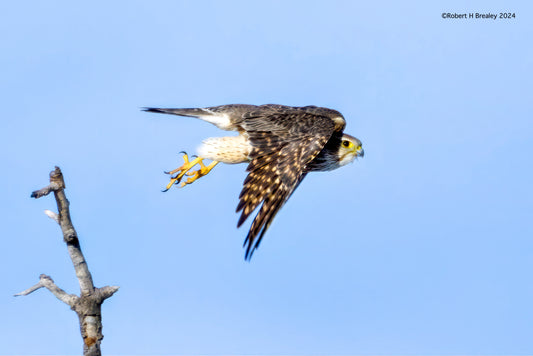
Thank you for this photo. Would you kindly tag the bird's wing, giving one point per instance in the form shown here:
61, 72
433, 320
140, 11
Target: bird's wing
283, 144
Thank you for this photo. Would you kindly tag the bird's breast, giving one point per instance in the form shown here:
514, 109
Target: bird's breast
231, 149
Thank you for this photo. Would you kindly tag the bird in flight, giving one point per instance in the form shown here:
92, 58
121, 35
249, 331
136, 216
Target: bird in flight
281, 144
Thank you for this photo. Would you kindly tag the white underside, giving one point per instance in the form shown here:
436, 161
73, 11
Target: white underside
233, 149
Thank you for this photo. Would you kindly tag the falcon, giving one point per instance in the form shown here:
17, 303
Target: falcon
281, 144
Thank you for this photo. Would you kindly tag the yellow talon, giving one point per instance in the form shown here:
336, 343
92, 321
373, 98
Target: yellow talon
204, 170
186, 167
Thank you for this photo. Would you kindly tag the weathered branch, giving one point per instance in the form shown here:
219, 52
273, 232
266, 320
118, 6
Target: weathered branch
57, 185
47, 282
107, 292
29, 290
88, 304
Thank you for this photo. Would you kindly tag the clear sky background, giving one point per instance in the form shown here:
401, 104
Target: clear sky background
422, 247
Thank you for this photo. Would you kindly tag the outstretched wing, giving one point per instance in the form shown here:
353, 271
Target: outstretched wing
283, 144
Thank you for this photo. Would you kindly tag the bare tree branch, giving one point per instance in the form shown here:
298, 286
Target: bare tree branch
47, 282
88, 305
52, 215
46, 190
29, 290
57, 185
107, 292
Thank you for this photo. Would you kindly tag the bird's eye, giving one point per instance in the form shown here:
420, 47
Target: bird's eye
346, 143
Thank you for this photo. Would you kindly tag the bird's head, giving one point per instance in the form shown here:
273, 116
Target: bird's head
350, 149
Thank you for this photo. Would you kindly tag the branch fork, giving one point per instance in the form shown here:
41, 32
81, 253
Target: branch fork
88, 304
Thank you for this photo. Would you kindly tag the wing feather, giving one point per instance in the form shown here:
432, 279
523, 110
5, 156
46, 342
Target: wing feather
283, 145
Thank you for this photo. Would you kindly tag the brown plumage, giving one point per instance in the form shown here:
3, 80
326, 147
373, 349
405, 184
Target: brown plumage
282, 144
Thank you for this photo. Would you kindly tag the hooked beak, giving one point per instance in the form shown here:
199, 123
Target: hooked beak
360, 153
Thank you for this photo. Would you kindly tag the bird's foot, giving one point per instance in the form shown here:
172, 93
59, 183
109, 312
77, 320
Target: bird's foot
194, 175
184, 169
178, 173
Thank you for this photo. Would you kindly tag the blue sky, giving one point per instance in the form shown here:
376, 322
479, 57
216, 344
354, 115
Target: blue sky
422, 247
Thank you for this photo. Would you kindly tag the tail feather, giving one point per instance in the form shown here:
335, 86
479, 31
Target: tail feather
218, 118
192, 112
